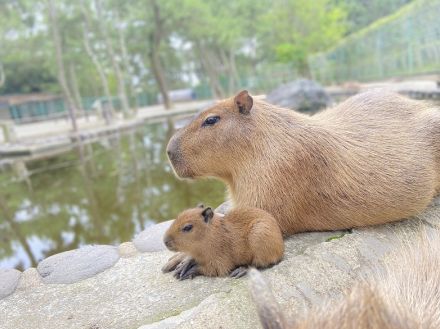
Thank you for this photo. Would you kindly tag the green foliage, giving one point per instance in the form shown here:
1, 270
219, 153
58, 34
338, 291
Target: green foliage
28, 77
234, 38
404, 43
363, 13
294, 29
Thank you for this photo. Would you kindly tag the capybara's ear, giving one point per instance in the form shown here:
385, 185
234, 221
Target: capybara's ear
200, 205
244, 102
207, 214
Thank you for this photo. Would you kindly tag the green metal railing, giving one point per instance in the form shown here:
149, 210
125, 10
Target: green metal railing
405, 43
56, 108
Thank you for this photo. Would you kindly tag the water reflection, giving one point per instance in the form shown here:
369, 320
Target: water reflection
99, 193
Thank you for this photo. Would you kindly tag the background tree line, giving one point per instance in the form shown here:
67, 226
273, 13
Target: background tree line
120, 48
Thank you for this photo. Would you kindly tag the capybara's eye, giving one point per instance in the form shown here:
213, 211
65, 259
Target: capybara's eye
211, 120
187, 228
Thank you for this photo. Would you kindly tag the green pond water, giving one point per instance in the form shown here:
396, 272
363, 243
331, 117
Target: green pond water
101, 192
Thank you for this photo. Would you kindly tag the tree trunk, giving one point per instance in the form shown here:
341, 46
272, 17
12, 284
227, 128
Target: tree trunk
2, 75
216, 88
60, 63
118, 72
233, 71
160, 80
156, 65
126, 64
102, 76
75, 89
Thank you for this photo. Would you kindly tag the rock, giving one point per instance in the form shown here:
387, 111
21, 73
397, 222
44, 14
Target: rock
8, 281
29, 278
151, 239
76, 265
301, 95
127, 249
135, 293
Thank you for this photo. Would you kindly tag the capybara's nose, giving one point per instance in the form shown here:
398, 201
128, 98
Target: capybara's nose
172, 150
168, 242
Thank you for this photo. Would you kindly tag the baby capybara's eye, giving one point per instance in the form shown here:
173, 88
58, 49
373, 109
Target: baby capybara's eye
187, 228
211, 121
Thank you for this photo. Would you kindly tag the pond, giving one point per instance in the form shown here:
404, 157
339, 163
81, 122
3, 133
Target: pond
102, 192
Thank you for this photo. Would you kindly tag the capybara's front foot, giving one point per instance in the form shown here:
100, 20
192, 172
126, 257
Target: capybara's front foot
187, 269
173, 262
239, 272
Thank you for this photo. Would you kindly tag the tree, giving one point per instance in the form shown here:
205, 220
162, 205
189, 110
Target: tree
60, 63
87, 27
156, 36
293, 29
112, 55
2, 75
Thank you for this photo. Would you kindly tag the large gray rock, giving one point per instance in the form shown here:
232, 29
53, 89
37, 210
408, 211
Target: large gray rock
8, 281
151, 239
76, 265
301, 95
135, 293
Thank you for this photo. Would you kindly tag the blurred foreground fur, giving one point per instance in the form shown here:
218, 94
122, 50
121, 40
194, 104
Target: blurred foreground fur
405, 295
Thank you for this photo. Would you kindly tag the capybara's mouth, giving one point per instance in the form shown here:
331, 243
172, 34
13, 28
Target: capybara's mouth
180, 169
172, 248
169, 243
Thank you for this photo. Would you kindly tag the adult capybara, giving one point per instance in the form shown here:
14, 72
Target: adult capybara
374, 158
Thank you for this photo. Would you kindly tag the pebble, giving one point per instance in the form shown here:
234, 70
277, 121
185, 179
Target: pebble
151, 239
127, 249
79, 264
8, 281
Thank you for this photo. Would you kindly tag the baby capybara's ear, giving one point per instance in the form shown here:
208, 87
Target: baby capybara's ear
200, 205
207, 214
244, 102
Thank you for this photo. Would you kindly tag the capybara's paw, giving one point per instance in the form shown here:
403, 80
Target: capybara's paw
239, 272
173, 262
187, 269
192, 272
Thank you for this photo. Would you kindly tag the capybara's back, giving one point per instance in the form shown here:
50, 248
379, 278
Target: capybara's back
387, 163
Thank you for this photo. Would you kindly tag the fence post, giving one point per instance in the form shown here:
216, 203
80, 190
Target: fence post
8, 129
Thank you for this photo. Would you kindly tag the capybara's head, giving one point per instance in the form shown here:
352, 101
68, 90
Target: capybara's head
188, 231
215, 138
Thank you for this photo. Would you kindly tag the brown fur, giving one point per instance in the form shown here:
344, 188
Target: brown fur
374, 158
245, 236
406, 296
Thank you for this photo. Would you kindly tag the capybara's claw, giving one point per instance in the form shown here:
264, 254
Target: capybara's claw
173, 262
239, 272
184, 266
190, 273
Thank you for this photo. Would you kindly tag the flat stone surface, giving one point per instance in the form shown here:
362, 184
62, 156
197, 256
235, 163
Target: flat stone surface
151, 239
135, 294
8, 281
79, 264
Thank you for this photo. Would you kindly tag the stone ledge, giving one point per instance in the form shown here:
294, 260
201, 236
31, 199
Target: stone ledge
131, 292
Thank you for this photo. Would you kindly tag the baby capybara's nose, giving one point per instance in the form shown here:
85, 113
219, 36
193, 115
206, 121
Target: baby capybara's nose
168, 242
